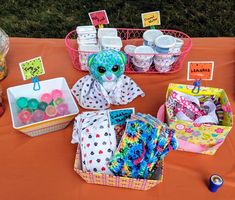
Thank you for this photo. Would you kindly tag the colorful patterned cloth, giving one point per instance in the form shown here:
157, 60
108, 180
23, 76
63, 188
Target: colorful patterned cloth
145, 142
216, 100
193, 109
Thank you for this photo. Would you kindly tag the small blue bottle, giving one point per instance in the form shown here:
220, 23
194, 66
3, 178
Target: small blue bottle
216, 182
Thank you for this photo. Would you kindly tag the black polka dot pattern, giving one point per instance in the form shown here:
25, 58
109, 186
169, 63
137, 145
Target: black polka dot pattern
92, 95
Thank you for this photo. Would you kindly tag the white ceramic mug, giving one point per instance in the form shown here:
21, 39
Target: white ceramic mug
129, 49
143, 57
163, 63
149, 37
143, 66
164, 43
176, 50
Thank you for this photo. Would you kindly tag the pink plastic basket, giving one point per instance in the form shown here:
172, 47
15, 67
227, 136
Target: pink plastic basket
132, 37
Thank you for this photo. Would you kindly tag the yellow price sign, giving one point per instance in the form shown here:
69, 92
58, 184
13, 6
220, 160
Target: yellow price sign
151, 18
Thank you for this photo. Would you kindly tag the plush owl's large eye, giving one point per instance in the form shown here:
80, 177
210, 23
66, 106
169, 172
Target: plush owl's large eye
115, 68
101, 70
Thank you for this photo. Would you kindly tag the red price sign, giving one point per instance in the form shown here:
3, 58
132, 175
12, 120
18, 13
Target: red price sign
98, 17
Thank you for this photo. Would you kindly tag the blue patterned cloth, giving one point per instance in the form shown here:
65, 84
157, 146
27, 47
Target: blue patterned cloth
145, 142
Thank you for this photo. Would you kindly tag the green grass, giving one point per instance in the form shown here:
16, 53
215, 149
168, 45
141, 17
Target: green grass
54, 19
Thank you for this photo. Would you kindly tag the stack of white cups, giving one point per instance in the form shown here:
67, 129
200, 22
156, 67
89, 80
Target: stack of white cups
163, 60
167, 47
143, 58
86, 35
87, 44
108, 39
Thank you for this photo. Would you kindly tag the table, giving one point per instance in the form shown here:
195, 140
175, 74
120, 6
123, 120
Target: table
42, 167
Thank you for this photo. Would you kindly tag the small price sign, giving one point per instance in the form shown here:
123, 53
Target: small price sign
32, 68
200, 70
151, 19
119, 117
98, 17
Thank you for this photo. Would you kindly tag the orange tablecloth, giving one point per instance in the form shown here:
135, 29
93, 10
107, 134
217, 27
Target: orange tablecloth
42, 167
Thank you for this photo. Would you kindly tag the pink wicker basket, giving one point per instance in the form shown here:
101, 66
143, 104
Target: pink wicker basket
117, 181
132, 37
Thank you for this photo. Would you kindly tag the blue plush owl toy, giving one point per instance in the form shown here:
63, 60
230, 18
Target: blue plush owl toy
106, 84
107, 66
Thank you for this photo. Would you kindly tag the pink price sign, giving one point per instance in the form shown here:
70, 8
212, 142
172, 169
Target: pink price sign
98, 17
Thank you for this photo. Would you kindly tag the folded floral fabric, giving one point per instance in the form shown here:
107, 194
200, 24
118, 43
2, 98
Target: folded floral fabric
106, 83
143, 144
189, 108
97, 140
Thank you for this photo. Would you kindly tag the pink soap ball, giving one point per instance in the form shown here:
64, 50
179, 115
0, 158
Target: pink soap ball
51, 111
56, 94
62, 109
46, 117
46, 97
38, 115
24, 116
